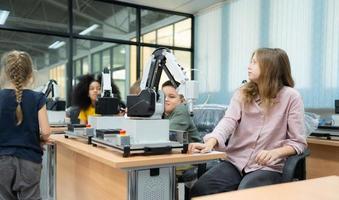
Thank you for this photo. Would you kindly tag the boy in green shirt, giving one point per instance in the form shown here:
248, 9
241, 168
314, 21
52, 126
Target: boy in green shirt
177, 113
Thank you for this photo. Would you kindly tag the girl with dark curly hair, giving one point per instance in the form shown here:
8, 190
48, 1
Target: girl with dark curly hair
86, 93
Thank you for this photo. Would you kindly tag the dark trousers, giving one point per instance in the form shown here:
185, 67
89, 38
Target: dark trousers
19, 179
225, 177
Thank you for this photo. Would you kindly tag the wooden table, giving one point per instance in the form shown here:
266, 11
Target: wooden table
58, 130
87, 172
324, 158
325, 188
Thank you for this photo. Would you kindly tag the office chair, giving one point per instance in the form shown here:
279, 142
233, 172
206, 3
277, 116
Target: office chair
205, 117
295, 167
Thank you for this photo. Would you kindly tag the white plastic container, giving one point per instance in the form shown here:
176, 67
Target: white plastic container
335, 118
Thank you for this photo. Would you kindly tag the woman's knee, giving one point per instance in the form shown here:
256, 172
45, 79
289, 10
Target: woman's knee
223, 177
259, 178
199, 189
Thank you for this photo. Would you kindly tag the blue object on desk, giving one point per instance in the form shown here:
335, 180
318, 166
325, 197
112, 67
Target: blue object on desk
327, 121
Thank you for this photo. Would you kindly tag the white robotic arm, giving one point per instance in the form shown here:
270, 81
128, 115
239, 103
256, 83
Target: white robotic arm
188, 88
145, 104
106, 88
173, 68
107, 104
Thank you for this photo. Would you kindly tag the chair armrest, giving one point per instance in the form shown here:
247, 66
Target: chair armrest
291, 165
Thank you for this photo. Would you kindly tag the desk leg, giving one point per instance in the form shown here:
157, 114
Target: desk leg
173, 182
47, 182
51, 168
152, 184
132, 185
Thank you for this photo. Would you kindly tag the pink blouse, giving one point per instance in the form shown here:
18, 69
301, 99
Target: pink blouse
250, 130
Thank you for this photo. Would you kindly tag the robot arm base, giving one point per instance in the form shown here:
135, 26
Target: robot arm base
107, 106
142, 105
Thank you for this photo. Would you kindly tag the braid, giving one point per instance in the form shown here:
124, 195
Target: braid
18, 82
18, 67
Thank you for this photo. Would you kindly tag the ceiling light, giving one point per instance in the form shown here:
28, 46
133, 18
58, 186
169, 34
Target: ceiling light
56, 45
89, 29
3, 16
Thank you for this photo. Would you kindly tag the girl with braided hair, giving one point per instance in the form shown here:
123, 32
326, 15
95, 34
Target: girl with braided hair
23, 129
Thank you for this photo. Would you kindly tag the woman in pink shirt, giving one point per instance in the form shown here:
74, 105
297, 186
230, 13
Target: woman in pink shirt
264, 124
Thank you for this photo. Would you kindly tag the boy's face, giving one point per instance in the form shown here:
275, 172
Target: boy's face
172, 99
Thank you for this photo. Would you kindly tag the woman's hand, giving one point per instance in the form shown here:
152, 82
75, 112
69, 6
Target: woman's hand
265, 157
198, 148
202, 147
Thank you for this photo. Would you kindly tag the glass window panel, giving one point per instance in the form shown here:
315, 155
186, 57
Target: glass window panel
149, 37
61, 80
48, 15
183, 58
165, 35
133, 64
81, 48
78, 70
119, 56
122, 88
182, 33
37, 46
153, 20
146, 53
96, 65
119, 74
106, 58
102, 54
52, 72
85, 66
58, 73
104, 19
120, 63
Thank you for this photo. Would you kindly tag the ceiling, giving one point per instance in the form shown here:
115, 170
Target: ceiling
185, 6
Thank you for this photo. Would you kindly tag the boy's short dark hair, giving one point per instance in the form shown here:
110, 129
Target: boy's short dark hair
169, 83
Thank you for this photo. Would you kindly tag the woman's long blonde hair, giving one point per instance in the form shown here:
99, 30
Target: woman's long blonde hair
275, 72
17, 68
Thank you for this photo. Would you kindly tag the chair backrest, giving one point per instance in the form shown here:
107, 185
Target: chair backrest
207, 116
73, 112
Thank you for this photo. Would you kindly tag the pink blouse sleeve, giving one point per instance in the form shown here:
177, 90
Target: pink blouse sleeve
228, 123
296, 125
